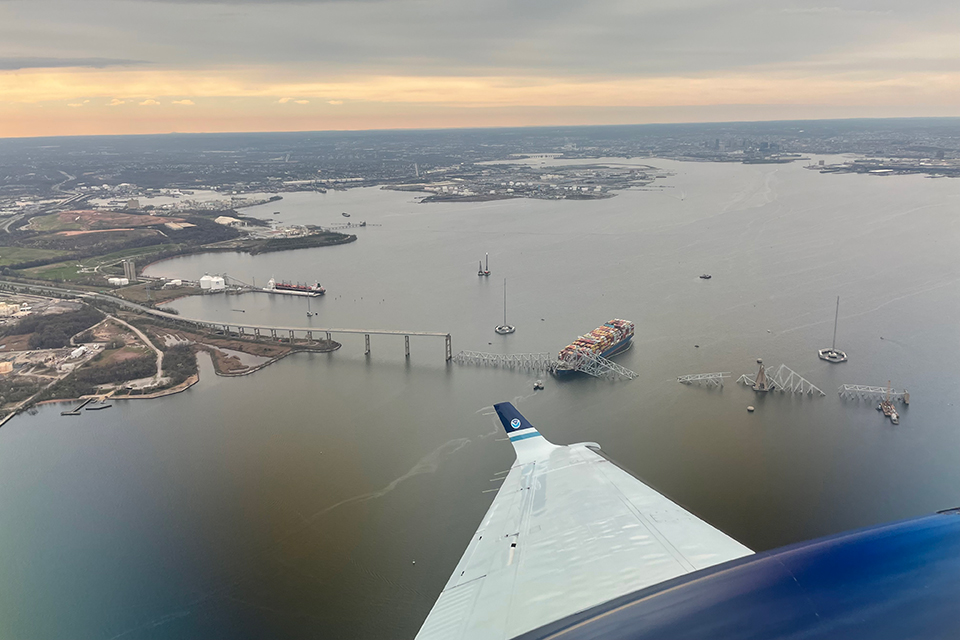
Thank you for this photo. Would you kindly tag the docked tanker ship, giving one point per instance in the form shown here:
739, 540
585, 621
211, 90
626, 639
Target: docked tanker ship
312, 290
605, 341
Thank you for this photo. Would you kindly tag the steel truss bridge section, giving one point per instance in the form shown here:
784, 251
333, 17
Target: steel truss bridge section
863, 392
542, 362
786, 379
599, 367
590, 364
708, 379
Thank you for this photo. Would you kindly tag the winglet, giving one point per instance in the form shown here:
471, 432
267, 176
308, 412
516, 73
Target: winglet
526, 440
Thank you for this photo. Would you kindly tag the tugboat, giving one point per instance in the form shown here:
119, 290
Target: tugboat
705, 276
833, 354
345, 214
505, 328
484, 271
538, 385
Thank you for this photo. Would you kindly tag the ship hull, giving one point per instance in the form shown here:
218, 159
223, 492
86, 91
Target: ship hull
309, 294
618, 348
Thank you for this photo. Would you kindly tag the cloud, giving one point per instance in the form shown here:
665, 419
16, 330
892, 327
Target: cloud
284, 100
75, 104
335, 102
116, 102
186, 102
301, 101
149, 102
17, 63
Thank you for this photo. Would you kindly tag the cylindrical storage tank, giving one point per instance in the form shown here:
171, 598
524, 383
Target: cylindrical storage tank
206, 282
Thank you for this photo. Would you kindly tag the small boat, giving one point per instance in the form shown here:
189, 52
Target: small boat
505, 329
345, 214
538, 385
276, 213
833, 354
705, 276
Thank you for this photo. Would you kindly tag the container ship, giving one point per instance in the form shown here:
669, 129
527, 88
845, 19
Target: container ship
285, 288
605, 341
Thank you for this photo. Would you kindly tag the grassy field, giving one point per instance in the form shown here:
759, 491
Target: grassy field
54, 222
16, 255
69, 270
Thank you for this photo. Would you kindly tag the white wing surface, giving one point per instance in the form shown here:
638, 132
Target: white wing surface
568, 530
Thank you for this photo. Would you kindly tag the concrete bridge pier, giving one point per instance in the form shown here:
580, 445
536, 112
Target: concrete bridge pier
406, 342
449, 345
366, 338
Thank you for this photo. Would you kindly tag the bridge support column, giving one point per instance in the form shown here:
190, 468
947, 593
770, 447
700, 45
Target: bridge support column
366, 338
449, 349
310, 336
273, 333
256, 332
291, 335
406, 343
328, 336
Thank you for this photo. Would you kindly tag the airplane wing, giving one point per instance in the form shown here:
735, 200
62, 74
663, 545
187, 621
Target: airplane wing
567, 531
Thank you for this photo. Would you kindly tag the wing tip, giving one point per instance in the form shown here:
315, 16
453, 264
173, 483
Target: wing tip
511, 419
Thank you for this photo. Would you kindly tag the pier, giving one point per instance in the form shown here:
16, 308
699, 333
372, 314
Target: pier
76, 411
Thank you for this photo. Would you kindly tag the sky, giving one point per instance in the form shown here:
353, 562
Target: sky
70, 67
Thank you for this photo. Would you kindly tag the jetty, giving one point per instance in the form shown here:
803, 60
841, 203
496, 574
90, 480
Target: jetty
79, 408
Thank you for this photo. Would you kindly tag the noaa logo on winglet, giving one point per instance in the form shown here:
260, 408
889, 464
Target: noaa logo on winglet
515, 423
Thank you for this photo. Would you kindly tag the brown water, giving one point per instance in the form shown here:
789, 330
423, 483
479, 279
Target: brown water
292, 503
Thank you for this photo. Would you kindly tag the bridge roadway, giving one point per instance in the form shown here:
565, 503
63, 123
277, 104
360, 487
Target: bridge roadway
243, 329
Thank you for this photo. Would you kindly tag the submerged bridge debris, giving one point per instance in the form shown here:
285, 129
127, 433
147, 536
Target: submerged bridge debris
785, 379
590, 364
863, 392
708, 379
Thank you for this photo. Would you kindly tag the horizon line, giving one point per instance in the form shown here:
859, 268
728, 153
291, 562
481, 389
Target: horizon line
476, 128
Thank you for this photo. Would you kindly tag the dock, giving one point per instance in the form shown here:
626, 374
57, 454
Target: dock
79, 408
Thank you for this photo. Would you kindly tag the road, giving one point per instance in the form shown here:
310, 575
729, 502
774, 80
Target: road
140, 334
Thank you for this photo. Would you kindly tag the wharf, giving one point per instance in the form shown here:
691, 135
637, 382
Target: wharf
76, 411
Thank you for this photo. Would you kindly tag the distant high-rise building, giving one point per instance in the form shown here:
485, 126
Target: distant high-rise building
130, 270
